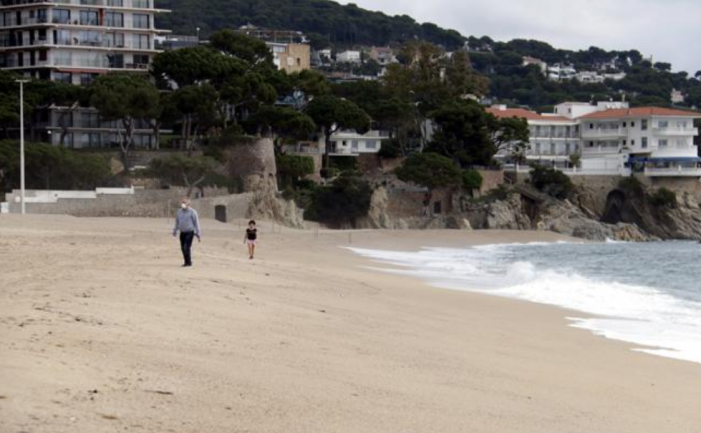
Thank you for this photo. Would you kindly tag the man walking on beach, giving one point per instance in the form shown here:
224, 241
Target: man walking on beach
188, 224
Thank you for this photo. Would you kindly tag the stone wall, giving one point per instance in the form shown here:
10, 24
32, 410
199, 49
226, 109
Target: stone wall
254, 163
143, 203
691, 186
491, 179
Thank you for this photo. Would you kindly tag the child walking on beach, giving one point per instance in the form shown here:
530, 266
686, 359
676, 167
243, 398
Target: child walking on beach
251, 238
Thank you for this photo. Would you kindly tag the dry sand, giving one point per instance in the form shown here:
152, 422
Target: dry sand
102, 331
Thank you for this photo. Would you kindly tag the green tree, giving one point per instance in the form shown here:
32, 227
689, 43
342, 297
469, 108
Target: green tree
509, 134
292, 168
552, 182
125, 98
346, 200
181, 170
281, 123
430, 170
331, 114
464, 134
197, 106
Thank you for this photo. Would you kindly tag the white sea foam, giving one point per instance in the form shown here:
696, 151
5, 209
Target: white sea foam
657, 320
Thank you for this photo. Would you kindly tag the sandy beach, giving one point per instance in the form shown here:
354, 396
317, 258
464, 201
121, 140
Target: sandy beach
101, 330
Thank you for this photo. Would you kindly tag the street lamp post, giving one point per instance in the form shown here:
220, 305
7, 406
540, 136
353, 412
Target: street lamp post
21, 142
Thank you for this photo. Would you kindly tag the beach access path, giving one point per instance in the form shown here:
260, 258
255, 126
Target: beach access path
101, 330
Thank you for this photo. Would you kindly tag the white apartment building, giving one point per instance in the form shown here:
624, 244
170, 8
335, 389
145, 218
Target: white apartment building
74, 41
611, 139
658, 141
553, 138
349, 57
350, 143
559, 72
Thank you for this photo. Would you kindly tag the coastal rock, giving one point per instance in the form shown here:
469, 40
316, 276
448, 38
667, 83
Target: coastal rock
507, 215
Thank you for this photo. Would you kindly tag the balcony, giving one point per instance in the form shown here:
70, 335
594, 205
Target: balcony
604, 133
676, 132
601, 150
678, 171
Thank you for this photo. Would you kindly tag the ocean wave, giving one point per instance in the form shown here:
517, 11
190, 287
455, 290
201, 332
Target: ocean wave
665, 324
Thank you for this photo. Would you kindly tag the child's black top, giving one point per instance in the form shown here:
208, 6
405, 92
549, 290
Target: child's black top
251, 234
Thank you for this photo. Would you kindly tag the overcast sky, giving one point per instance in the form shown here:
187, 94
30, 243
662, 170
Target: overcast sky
669, 30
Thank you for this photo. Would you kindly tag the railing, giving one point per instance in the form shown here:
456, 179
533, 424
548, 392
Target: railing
678, 171
601, 150
617, 171
619, 132
676, 131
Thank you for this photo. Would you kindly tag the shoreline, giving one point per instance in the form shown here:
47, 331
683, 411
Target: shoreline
303, 338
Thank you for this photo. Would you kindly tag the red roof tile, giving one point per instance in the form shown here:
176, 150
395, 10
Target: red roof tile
640, 112
525, 114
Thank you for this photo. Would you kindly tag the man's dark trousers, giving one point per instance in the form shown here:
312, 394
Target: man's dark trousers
186, 245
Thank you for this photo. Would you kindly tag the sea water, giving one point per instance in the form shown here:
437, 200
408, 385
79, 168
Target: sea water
648, 294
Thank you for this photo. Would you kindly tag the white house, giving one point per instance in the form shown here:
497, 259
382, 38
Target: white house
553, 138
351, 56
611, 139
350, 143
559, 72
659, 141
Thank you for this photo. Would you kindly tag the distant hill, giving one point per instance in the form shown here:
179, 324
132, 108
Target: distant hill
328, 23
324, 22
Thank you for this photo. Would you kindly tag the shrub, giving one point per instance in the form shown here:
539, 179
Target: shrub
293, 167
347, 199
472, 180
552, 182
390, 149
664, 198
632, 185
430, 170
329, 173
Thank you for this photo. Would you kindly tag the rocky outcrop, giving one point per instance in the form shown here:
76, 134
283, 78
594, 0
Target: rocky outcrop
265, 204
682, 222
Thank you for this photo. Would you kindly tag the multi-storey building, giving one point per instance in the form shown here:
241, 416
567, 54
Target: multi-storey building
611, 138
290, 57
553, 138
659, 141
74, 41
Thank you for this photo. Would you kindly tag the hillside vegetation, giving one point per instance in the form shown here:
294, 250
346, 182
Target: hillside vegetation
324, 22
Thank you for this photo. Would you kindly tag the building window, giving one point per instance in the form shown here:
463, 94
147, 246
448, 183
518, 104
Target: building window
625, 124
115, 61
114, 19
632, 142
140, 60
632, 124
591, 126
663, 143
371, 144
113, 40
88, 18
644, 143
552, 148
682, 125
141, 21
63, 77
354, 145
662, 124
142, 42
537, 148
86, 79
118, 3
61, 16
